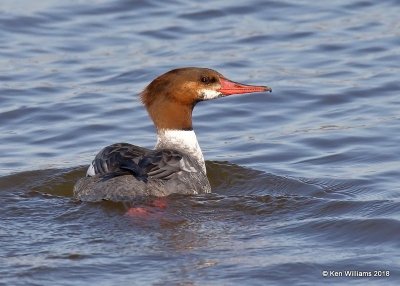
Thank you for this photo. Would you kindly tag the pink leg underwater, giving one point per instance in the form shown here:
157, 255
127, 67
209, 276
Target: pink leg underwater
153, 209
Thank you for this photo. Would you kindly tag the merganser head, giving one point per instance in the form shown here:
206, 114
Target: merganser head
171, 97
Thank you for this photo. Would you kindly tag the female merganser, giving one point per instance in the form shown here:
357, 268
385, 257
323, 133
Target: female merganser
124, 172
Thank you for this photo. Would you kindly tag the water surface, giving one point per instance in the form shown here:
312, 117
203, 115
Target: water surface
305, 179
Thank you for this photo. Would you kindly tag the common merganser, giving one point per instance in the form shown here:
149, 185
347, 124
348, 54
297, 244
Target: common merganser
125, 172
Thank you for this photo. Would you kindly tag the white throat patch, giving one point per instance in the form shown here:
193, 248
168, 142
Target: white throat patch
181, 140
210, 94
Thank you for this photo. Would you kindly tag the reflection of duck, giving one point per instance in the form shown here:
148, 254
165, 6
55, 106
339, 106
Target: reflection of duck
123, 171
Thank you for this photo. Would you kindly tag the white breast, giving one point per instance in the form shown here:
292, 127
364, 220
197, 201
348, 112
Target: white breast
90, 171
181, 140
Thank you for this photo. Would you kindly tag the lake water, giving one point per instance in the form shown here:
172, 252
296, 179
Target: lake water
305, 179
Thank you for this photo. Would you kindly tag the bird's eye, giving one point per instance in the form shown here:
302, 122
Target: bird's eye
205, 79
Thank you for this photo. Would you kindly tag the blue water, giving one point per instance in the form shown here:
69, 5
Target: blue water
305, 179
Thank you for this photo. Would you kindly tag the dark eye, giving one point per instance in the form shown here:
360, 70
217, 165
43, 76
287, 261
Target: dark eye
205, 79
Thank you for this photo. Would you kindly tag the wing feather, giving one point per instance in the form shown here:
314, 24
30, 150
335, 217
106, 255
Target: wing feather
123, 158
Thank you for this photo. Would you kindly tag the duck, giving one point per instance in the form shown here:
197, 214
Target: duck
126, 172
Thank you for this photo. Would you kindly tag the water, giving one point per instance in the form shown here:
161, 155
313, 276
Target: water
304, 180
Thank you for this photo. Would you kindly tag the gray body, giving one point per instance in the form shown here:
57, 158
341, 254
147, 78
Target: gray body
125, 172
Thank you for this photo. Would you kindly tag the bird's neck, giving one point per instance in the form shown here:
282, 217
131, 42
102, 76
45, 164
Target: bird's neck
170, 115
184, 141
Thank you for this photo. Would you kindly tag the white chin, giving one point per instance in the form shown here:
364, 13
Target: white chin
210, 94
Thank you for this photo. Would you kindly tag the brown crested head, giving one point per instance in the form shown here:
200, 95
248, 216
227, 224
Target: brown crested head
170, 98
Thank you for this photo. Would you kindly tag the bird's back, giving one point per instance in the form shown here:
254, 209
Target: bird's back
124, 172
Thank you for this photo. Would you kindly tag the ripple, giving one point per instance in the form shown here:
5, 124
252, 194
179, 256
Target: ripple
359, 231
